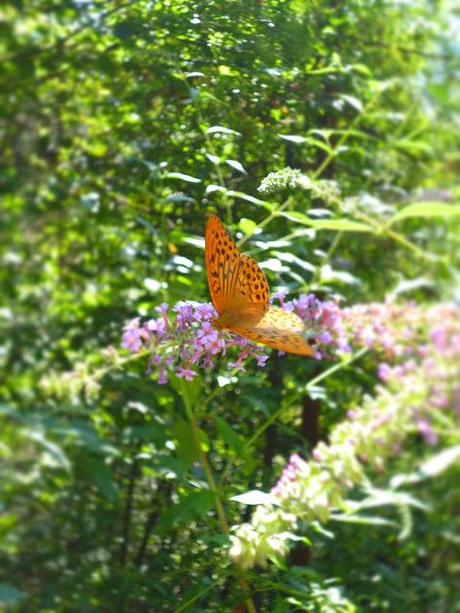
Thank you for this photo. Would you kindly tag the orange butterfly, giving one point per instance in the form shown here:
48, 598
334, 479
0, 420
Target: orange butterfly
240, 295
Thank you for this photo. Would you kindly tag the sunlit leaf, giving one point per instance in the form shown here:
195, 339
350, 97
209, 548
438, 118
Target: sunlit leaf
426, 209
181, 177
255, 497
237, 166
222, 130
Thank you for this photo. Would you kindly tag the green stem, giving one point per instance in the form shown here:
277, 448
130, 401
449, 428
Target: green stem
250, 606
395, 236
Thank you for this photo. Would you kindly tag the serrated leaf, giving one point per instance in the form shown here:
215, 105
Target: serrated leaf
426, 209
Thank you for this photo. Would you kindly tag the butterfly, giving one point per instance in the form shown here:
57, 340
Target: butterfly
241, 296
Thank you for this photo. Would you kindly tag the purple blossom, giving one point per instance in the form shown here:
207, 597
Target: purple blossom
261, 359
163, 309
205, 312
440, 339
184, 316
134, 336
280, 296
385, 371
425, 428
185, 373
409, 338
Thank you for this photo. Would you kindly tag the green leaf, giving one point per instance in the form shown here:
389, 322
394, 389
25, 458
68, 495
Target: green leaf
341, 225
101, 476
367, 520
194, 505
254, 497
338, 225
214, 159
294, 138
230, 437
290, 258
222, 130
210, 189
186, 448
182, 177
353, 102
237, 166
426, 209
247, 226
382, 498
242, 196
189, 390
433, 467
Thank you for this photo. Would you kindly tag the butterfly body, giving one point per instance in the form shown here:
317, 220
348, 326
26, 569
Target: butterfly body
241, 296
231, 318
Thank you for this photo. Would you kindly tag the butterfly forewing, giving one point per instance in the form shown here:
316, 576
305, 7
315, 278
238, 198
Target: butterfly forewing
236, 282
240, 294
280, 330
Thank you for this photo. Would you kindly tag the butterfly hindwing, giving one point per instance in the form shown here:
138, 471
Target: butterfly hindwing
278, 329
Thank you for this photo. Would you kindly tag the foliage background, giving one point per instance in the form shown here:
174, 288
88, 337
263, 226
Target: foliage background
116, 118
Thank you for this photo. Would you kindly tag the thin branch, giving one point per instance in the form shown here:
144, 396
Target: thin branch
127, 515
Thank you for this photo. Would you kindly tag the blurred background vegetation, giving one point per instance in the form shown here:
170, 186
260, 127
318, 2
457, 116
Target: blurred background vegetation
123, 125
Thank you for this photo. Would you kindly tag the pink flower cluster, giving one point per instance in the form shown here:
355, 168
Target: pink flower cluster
182, 339
185, 339
423, 346
434, 355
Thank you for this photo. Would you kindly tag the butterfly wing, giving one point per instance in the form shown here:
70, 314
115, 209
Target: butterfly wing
278, 329
237, 285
